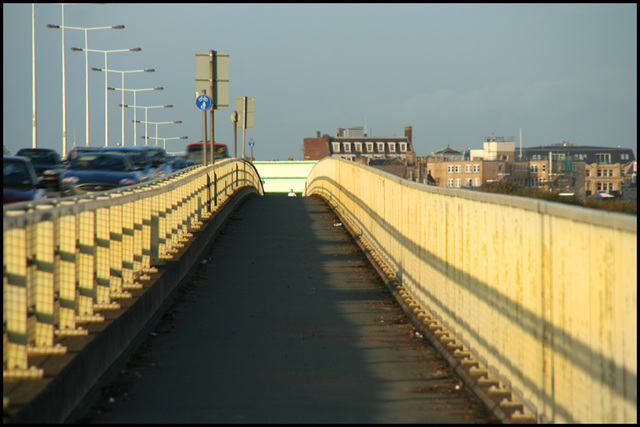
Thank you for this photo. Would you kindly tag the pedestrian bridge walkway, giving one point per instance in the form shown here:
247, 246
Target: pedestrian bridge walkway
533, 305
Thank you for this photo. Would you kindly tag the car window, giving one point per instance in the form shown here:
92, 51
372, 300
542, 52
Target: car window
15, 173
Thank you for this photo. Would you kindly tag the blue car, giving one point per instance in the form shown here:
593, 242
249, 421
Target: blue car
98, 171
159, 159
140, 158
19, 180
47, 164
177, 163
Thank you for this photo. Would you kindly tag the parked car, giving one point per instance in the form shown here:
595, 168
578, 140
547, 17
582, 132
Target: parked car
98, 171
159, 159
19, 180
177, 163
140, 158
80, 149
47, 164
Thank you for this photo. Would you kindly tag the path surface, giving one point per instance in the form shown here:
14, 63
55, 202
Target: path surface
286, 322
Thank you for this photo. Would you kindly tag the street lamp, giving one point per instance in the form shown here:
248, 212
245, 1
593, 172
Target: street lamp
148, 70
86, 61
146, 114
106, 104
159, 123
135, 91
164, 140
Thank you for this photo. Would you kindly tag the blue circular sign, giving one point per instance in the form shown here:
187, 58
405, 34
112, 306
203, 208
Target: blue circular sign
203, 102
251, 143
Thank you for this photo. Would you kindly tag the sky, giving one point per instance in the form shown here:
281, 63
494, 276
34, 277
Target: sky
456, 73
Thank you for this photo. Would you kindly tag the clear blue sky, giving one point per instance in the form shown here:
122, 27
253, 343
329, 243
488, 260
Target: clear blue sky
455, 72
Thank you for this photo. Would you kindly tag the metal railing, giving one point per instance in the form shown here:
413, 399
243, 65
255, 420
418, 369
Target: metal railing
66, 260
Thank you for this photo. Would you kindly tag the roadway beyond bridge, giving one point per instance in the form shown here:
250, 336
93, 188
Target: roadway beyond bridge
286, 321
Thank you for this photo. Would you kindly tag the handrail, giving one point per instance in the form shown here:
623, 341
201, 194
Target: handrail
65, 260
535, 296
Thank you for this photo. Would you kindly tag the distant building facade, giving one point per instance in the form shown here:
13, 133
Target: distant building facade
566, 167
393, 154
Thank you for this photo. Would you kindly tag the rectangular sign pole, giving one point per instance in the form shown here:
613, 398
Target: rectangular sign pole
213, 97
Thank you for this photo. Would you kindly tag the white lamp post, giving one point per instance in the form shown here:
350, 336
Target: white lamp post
146, 113
86, 61
164, 140
159, 123
135, 92
106, 104
148, 70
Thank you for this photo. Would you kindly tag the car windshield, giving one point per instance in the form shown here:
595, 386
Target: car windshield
15, 173
137, 158
99, 163
40, 157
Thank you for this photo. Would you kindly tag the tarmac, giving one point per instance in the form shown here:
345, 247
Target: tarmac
285, 321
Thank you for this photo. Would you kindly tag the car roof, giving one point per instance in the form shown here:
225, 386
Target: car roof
49, 150
123, 149
17, 159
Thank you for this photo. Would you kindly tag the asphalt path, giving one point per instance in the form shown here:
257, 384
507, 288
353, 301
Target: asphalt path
285, 321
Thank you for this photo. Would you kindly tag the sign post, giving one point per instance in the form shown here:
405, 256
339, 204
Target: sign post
251, 144
245, 106
212, 76
203, 102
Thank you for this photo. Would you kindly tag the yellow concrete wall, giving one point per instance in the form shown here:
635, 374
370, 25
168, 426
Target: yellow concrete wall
545, 293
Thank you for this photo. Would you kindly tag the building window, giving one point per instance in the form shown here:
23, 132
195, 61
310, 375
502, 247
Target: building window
392, 147
380, 147
624, 156
347, 147
403, 147
458, 169
467, 168
457, 182
534, 168
476, 168
544, 167
336, 147
449, 169
476, 182
358, 147
369, 147
599, 172
604, 158
588, 172
467, 182
450, 183
610, 172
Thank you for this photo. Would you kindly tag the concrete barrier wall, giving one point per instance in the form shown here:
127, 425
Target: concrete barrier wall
545, 294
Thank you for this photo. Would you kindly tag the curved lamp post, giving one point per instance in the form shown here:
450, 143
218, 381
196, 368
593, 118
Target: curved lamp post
86, 61
148, 70
106, 105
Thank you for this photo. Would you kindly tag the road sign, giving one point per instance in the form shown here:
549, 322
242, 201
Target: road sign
216, 73
248, 102
252, 143
203, 102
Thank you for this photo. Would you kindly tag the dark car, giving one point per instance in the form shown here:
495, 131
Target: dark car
159, 159
47, 164
80, 149
177, 163
98, 171
19, 180
140, 158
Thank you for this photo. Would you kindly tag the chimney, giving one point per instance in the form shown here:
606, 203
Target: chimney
317, 134
340, 130
408, 133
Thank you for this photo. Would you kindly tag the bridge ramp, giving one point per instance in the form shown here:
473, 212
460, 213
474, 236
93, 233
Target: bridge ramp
285, 321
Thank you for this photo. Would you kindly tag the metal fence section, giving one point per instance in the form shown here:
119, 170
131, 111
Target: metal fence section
66, 260
536, 301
